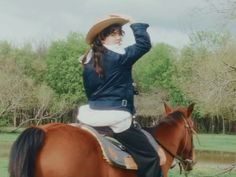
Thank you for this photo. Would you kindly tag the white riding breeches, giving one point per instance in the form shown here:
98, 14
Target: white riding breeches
117, 120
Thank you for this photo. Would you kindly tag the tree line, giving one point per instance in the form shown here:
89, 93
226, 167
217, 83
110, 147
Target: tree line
41, 84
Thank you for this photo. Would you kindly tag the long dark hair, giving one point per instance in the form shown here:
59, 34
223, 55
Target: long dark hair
98, 49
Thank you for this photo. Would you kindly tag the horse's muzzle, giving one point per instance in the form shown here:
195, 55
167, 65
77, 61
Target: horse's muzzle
188, 164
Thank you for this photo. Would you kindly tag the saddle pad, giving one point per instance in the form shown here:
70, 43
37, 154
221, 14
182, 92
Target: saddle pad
112, 150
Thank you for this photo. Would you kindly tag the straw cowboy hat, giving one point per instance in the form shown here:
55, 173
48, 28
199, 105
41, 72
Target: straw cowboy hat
102, 24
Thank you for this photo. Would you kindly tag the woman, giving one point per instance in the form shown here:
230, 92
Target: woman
107, 77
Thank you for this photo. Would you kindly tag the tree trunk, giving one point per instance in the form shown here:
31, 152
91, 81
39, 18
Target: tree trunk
233, 127
14, 119
230, 125
212, 125
223, 125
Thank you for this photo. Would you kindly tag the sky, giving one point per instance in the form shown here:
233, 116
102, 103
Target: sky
171, 21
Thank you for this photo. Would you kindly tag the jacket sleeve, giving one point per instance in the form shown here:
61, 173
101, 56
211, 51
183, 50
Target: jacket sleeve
142, 44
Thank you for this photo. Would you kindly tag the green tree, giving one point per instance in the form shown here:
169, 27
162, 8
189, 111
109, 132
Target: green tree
154, 73
16, 91
64, 74
208, 72
31, 61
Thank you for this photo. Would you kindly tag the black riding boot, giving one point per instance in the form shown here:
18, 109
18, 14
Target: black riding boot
142, 151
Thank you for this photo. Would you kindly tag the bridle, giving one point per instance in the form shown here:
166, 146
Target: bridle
184, 164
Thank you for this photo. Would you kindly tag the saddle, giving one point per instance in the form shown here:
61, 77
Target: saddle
115, 153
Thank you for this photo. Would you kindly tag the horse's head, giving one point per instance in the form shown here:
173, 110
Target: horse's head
185, 152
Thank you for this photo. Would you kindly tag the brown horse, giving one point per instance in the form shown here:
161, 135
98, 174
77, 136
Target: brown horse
60, 150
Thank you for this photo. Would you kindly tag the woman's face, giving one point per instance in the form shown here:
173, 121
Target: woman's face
114, 38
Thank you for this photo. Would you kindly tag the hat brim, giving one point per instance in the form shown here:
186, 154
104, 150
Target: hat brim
99, 26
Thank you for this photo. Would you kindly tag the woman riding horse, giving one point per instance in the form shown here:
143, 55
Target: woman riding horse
61, 150
108, 83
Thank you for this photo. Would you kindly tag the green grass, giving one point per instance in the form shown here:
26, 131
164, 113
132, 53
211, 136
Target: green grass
202, 172
226, 143
8, 137
6, 140
214, 142
3, 167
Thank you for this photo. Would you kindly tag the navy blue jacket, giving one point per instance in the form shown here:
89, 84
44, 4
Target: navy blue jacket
114, 90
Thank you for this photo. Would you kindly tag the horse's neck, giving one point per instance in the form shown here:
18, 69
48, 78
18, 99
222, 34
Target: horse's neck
167, 135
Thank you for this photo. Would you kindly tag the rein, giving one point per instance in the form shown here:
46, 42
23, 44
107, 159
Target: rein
182, 162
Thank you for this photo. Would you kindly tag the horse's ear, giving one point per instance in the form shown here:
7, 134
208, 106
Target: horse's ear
190, 109
167, 108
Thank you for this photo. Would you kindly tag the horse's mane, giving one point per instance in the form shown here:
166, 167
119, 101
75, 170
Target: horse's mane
170, 119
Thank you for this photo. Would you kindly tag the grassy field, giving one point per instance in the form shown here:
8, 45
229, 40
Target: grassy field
226, 143
214, 142
6, 140
202, 172
211, 142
